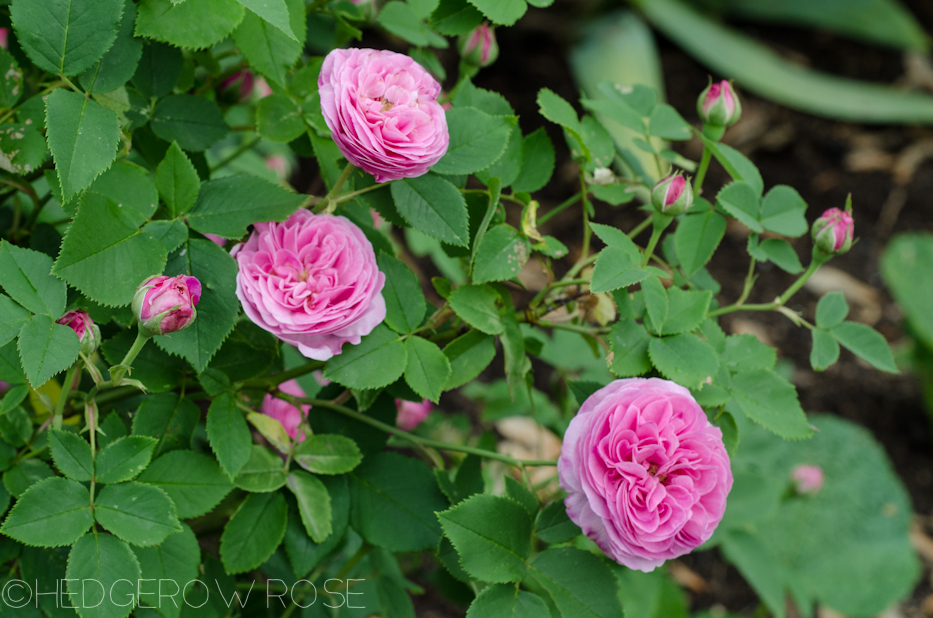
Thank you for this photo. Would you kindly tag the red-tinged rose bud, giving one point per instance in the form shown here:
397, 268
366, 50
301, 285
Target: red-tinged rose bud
672, 196
5, 38
164, 305
832, 232
808, 479
479, 47
85, 328
411, 413
718, 105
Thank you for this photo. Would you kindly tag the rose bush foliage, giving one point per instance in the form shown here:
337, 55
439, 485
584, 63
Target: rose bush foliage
208, 375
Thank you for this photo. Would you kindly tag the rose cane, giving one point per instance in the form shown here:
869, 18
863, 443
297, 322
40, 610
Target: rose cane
671, 196
646, 473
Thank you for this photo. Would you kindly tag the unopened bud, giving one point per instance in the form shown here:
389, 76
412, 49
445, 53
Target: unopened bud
479, 47
85, 328
832, 233
164, 305
672, 196
718, 105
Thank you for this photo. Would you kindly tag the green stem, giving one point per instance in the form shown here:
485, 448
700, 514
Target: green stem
63, 397
587, 231
577, 328
641, 227
815, 263
418, 439
328, 203
141, 339
660, 223
749, 282
780, 301
701, 172
346, 197
237, 153
559, 209
573, 272
495, 190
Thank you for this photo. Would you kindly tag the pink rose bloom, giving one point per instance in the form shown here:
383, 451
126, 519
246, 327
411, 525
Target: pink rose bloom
808, 479
84, 327
284, 412
833, 232
165, 305
411, 413
311, 281
383, 112
646, 473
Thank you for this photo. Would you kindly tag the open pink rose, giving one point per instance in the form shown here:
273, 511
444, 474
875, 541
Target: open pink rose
646, 473
383, 112
165, 305
284, 412
411, 413
311, 281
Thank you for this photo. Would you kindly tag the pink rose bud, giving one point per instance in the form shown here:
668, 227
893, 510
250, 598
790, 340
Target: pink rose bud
672, 196
382, 110
85, 328
646, 473
832, 232
286, 413
808, 479
239, 86
312, 281
479, 47
5, 38
3, 386
718, 105
165, 305
411, 413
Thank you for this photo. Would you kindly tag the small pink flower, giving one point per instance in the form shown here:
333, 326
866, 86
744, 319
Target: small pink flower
284, 412
646, 474
84, 327
672, 195
411, 413
833, 232
312, 281
164, 305
383, 112
718, 105
479, 47
808, 479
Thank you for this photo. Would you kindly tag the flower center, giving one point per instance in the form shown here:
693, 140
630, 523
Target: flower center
653, 471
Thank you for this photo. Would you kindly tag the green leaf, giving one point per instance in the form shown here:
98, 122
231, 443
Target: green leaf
579, 583
831, 310
763, 71
477, 140
24, 274
51, 513
119, 63
22, 148
46, 348
124, 459
378, 360
217, 309
501, 254
405, 304
254, 531
303, 553
628, 342
696, 239
64, 37
105, 255
313, 504
783, 210
170, 233
176, 560
177, 182
402, 20
656, 302
328, 454
537, 162
558, 111
72, 455
432, 205
504, 12
517, 491
500, 601
863, 341
509, 165
492, 534
825, 350
24, 475
274, 12
195, 123
271, 429
10, 367
228, 205
16, 427
905, 265
743, 352
83, 138
262, 472
428, 369
278, 118
771, 401
740, 200
552, 525
105, 560
393, 501
228, 434
476, 304
192, 480
128, 185
782, 254
140, 514
11, 80
190, 25
468, 355
615, 268
159, 70
168, 418
455, 17
685, 358
666, 123
687, 310
268, 49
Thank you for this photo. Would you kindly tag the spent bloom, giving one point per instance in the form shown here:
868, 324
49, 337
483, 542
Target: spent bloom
718, 105
672, 195
382, 110
479, 47
411, 413
284, 412
312, 281
646, 474
164, 305
85, 328
808, 479
832, 233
